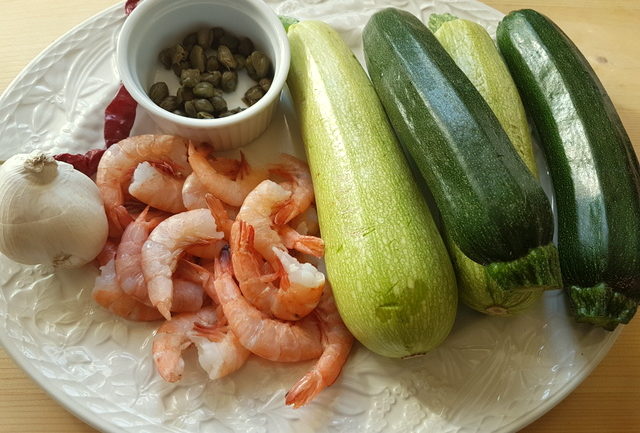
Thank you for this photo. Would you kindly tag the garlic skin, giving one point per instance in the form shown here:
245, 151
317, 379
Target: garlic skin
50, 213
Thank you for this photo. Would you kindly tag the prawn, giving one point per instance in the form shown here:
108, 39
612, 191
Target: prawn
336, 341
269, 338
231, 191
161, 251
157, 189
129, 258
120, 160
256, 211
219, 351
298, 182
300, 286
108, 294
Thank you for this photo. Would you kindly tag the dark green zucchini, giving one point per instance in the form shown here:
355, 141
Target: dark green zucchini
491, 205
593, 167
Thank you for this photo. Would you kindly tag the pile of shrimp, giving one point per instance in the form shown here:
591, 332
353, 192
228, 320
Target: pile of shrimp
223, 254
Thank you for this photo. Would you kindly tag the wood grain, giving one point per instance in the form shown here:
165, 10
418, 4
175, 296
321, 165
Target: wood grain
605, 30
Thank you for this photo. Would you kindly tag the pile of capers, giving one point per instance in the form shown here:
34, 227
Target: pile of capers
207, 63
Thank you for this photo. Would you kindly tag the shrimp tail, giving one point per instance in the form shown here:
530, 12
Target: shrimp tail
243, 168
119, 219
164, 308
285, 213
305, 389
310, 245
219, 214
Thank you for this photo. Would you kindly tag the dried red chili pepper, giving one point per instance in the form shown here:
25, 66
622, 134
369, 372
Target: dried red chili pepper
130, 5
118, 121
86, 163
119, 117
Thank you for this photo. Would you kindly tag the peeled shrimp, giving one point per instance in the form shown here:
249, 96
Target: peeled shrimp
119, 161
108, 294
193, 192
256, 211
161, 251
129, 258
298, 182
219, 351
337, 342
157, 189
300, 286
266, 337
230, 191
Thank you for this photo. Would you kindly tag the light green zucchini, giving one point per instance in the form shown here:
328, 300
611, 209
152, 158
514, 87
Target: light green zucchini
391, 275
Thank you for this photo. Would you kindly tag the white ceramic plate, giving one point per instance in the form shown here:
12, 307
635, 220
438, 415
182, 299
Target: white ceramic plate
490, 375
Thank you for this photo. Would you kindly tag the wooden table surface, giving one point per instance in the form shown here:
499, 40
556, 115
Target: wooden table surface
605, 30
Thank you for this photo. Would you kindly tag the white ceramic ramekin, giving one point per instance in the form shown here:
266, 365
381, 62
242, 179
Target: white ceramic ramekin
157, 24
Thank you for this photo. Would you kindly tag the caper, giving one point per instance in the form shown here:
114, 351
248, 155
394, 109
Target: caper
179, 67
213, 64
190, 40
205, 37
219, 104
230, 41
229, 81
225, 57
203, 105
204, 115
165, 57
178, 54
260, 64
190, 108
170, 103
203, 90
197, 58
190, 77
226, 114
158, 91
245, 46
253, 95
265, 83
211, 77
179, 112
184, 94
240, 60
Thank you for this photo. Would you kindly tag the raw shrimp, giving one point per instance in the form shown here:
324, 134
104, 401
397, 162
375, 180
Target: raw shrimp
107, 293
337, 342
161, 251
303, 243
300, 287
157, 189
230, 191
298, 182
219, 351
266, 337
120, 160
256, 211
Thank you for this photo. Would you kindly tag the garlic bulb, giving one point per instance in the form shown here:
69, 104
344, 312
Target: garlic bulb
50, 213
